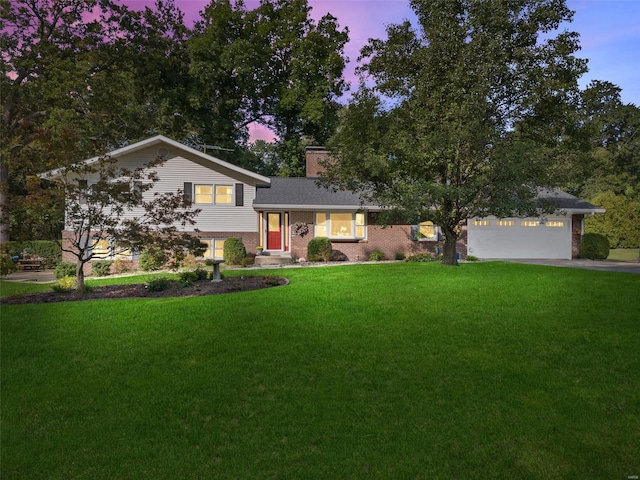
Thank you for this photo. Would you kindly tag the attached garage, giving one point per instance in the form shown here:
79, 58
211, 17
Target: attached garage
520, 237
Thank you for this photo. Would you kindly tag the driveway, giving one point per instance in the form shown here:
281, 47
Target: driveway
603, 265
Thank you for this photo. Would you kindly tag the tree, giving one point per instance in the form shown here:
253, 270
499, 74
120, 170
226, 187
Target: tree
272, 65
621, 222
466, 116
79, 78
113, 205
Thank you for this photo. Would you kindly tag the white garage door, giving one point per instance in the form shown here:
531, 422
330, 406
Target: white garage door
519, 238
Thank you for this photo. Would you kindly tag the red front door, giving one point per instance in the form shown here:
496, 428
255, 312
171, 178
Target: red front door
274, 231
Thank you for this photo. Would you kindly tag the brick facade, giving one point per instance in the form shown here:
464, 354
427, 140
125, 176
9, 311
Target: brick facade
314, 155
576, 234
390, 240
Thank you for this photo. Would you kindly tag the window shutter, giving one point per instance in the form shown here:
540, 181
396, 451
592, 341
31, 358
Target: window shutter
414, 232
239, 195
188, 191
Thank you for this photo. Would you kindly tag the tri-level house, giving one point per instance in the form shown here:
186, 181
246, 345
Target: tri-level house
281, 215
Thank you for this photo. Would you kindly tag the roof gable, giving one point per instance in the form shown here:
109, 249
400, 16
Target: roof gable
159, 141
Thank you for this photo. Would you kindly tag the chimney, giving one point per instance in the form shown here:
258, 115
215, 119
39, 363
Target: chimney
315, 155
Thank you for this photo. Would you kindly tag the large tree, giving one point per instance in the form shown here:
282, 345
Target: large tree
272, 65
466, 114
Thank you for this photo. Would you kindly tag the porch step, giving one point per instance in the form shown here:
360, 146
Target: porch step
272, 259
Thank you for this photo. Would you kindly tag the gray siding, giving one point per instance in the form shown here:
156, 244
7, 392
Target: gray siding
178, 169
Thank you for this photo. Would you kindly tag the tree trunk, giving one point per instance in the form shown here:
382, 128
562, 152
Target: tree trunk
450, 254
4, 215
80, 276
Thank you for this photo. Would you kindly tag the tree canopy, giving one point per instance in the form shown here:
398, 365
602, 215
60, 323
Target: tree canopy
81, 78
465, 115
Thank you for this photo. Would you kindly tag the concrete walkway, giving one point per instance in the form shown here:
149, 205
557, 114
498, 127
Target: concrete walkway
30, 276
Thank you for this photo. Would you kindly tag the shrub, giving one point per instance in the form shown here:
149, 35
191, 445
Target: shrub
152, 259
158, 284
121, 266
319, 249
187, 278
201, 274
7, 265
233, 251
376, 256
594, 246
246, 261
101, 268
420, 257
338, 256
65, 284
65, 269
400, 256
472, 258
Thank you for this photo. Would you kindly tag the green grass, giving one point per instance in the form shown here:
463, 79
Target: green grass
624, 254
489, 370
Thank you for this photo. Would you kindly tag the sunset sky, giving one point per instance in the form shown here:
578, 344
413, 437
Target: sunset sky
609, 32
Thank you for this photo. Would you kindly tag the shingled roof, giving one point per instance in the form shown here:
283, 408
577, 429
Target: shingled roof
303, 193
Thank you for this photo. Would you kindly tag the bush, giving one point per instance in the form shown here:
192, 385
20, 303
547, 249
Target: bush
376, 256
158, 284
400, 256
187, 278
7, 265
472, 258
101, 268
65, 284
319, 249
152, 259
233, 251
121, 266
594, 246
65, 269
247, 261
420, 257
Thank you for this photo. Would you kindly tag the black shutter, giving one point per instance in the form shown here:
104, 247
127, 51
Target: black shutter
188, 191
239, 195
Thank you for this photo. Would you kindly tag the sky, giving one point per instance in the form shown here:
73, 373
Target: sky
609, 33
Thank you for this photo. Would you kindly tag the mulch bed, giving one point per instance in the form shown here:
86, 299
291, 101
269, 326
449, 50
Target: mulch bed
139, 290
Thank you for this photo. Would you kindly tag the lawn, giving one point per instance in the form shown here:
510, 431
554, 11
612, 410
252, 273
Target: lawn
489, 370
624, 254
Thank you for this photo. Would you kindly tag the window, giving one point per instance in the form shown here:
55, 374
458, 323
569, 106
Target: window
340, 225
224, 194
204, 194
505, 223
555, 224
101, 249
481, 223
427, 231
218, 248
529, 223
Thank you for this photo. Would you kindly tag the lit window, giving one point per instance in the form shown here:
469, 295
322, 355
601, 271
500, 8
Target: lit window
204, 194
529, 223
427, 231
218, 251
481, 223
340, 225
224, 193
100, 249
505, 223
207, 252
555, 224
